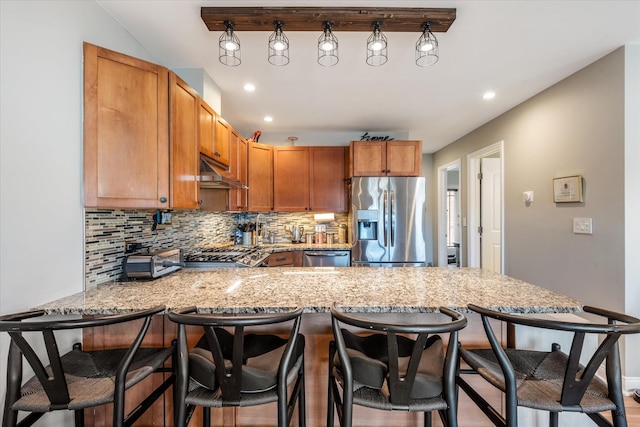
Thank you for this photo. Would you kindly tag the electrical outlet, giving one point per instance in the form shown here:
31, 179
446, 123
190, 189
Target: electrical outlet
582, 225
130, 247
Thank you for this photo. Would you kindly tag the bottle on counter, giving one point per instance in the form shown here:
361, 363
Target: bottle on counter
320, 233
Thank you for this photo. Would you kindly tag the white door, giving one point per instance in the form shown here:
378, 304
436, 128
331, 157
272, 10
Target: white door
490, 215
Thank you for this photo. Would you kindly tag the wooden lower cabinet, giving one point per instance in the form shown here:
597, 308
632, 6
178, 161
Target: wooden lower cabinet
316, 327
285, 259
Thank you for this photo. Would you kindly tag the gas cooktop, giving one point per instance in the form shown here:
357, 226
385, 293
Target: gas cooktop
224, 257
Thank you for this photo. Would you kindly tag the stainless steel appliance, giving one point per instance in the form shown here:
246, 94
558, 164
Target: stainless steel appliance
152, 265
225, 257
388, 221
325, 259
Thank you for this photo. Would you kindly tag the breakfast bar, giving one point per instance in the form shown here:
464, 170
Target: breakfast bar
416, 292
243, 290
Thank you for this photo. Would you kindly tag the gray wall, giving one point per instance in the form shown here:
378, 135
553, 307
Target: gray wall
576, 127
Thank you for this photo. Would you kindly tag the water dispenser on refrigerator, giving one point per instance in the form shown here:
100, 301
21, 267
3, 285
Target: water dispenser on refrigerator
367, 224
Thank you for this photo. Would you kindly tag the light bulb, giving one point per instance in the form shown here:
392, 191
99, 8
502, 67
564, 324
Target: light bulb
231, 45
326, 46
376, 46
426, 47
278, 45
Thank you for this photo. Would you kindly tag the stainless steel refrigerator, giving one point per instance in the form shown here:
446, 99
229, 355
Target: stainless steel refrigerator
387, 221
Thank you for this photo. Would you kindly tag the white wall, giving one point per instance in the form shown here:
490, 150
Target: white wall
41, 215
632, 205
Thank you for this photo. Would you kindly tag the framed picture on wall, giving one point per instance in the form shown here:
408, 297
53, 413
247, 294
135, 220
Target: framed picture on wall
567, 189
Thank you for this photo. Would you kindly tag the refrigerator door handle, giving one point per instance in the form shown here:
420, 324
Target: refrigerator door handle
392, 219
384, 217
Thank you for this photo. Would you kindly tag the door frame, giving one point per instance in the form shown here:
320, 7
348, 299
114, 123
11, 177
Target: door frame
442, 210
473, 203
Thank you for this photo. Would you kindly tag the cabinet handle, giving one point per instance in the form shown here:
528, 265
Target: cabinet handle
163, 200
281, 258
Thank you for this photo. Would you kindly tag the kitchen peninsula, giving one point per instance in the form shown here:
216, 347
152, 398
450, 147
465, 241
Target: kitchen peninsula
316, 289
401, 291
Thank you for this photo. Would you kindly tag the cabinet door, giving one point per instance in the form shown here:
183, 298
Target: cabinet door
126, 131
207, 124
404, 158
369, 158
183, 136
238, 167
291, 179
327, 190
260, 177
221, 142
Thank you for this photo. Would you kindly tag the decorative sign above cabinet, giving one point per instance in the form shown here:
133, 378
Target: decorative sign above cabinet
367, 137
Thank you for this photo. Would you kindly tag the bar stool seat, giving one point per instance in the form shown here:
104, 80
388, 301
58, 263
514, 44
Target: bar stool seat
552, 381
397, 367
78, 379
239, 369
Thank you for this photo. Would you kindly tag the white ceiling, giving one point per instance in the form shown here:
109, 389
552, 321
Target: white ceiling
515, 48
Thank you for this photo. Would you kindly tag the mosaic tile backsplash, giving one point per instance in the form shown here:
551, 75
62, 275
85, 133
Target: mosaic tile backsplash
108, 230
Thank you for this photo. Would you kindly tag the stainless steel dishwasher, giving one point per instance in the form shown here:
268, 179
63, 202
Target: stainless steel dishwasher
326, 259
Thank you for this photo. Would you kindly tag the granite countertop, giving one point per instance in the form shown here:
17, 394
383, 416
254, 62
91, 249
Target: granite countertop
357, 289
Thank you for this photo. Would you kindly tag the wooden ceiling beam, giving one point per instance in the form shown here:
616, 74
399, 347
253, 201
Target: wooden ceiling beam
343, 18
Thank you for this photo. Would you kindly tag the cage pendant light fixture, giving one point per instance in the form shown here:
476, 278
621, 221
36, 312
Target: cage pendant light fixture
229, 46
376, 46
327, 46
278, 46
427, 52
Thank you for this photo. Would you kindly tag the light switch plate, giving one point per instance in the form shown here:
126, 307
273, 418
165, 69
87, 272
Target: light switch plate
583, 225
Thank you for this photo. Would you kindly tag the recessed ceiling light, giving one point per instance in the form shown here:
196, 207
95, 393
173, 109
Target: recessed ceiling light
489, 95
249, 87
268, 119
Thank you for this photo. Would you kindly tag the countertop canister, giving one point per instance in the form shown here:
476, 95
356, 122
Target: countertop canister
342, 233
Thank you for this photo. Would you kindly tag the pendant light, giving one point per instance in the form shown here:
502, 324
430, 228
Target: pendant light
327, 46
278, 46
229, 46
427, 47
376, 46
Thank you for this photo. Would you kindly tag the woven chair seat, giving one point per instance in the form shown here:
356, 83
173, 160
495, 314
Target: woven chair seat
393, 366
379, 398
200, 395
539, 378
236, 364
91, 377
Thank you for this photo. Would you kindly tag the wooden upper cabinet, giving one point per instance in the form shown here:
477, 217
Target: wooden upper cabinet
184, 151
206, 127
369, 158
126, 131
309, 179
260, 177
327, 186
291, 179
386, 158
221, 141
238, 197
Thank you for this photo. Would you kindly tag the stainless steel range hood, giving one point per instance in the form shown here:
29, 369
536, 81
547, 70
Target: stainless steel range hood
212, 176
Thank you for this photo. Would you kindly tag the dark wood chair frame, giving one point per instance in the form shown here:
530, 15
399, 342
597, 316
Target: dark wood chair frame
55, 385
230, 379
399, 386
574, 384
